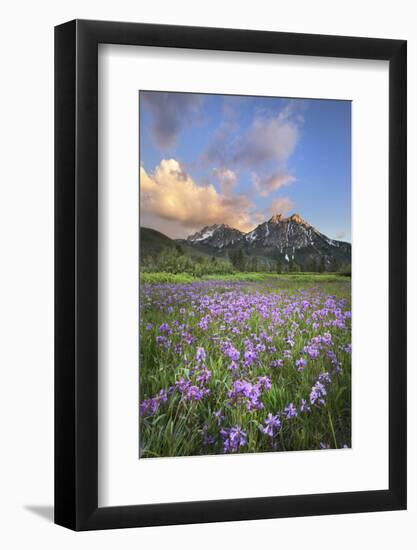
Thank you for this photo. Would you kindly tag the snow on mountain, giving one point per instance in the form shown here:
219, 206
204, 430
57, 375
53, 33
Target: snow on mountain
217, 236
279, 237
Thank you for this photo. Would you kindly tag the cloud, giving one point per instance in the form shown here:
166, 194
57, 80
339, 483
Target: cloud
218, 150
227, 179
259, 217
269, 138
282, 205
340, 235
272, 183
172, 200
170, 112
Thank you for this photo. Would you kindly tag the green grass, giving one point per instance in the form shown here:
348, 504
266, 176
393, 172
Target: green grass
277, 278
284, 278
164, 277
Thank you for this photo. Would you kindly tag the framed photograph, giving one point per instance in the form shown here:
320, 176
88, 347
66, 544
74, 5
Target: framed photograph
230, 254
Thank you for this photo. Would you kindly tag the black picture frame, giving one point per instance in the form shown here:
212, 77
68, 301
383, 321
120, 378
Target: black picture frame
76, 272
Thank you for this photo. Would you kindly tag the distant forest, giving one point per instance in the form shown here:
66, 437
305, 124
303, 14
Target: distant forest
177, 260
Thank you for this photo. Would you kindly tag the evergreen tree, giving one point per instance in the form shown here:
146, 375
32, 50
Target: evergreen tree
241, 260
312, 266
253, 265
237, 257
335, 265
293, 267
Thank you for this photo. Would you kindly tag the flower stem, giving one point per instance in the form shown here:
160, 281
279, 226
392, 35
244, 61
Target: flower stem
331, 426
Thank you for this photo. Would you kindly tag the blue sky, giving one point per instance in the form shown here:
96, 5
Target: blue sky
208, 159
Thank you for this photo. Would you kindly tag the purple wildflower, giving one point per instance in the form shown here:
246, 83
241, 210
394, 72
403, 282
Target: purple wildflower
324, 378
318, 392
312, 351
250, 357
244, 391
200, 355
271, 425
209, 440
300, 364
264, 383
193, 393
230, 351
219, 417
233, 439
148, 407
204, 376
290, 411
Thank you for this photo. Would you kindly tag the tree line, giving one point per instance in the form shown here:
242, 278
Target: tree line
175, 260
244, 262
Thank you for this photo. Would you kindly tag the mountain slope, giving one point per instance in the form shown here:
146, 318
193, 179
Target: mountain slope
217, 236
279, 239
153, 242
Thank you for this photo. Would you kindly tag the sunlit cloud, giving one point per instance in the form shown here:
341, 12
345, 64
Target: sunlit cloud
266, 186
169, 194
281, 205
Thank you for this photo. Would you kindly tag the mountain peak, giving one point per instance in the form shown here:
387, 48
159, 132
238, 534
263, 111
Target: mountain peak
296, 218
286, 238
217, 235
276, 218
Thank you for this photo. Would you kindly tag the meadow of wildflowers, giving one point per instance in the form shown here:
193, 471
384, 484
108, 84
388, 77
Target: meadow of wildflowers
237, 367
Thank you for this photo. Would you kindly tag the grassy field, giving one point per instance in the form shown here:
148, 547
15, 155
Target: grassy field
284, 278
253, 362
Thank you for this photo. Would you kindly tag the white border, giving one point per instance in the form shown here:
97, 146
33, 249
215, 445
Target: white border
123, 479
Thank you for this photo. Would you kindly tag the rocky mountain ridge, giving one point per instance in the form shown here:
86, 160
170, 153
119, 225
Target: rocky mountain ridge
286, 239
